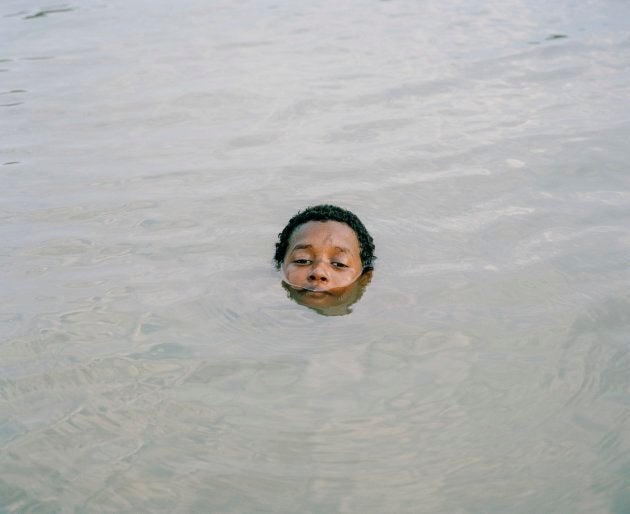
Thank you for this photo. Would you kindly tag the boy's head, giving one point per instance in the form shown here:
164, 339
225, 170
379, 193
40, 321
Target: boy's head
325, 213
326, 256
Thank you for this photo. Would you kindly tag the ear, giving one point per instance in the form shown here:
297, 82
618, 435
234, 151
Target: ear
366, 278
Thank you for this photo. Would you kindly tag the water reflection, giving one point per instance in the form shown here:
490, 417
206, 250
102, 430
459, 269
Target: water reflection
333, 302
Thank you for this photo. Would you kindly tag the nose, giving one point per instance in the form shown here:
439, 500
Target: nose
318, 273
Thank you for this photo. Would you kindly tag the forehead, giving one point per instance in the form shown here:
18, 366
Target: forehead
323, 233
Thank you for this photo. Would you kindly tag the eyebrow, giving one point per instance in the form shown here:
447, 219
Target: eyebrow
340, 249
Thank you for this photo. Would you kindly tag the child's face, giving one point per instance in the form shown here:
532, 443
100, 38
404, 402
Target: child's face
322, 261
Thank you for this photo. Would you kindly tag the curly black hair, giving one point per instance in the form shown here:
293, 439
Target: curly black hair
327, 213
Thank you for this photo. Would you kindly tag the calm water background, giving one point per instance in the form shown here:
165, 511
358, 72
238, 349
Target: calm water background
151, 151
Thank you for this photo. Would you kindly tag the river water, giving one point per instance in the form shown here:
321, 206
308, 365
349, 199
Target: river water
151, 151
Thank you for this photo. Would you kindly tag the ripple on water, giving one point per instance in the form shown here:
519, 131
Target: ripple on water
596, 353
48, 11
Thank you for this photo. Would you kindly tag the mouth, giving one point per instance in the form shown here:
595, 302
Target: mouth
311, 291
314, 292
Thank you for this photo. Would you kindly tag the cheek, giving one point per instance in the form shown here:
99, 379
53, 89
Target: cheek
295, 272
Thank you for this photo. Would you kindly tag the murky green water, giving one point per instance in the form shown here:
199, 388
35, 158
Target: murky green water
150, 360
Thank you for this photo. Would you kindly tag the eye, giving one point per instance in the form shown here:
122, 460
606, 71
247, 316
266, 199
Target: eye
338, 264
301, 261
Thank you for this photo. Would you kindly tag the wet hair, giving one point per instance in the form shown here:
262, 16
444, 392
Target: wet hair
327, 213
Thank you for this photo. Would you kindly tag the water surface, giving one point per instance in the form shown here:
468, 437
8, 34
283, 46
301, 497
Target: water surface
150, 359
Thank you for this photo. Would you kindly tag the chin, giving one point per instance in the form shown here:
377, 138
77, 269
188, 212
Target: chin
319, 297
